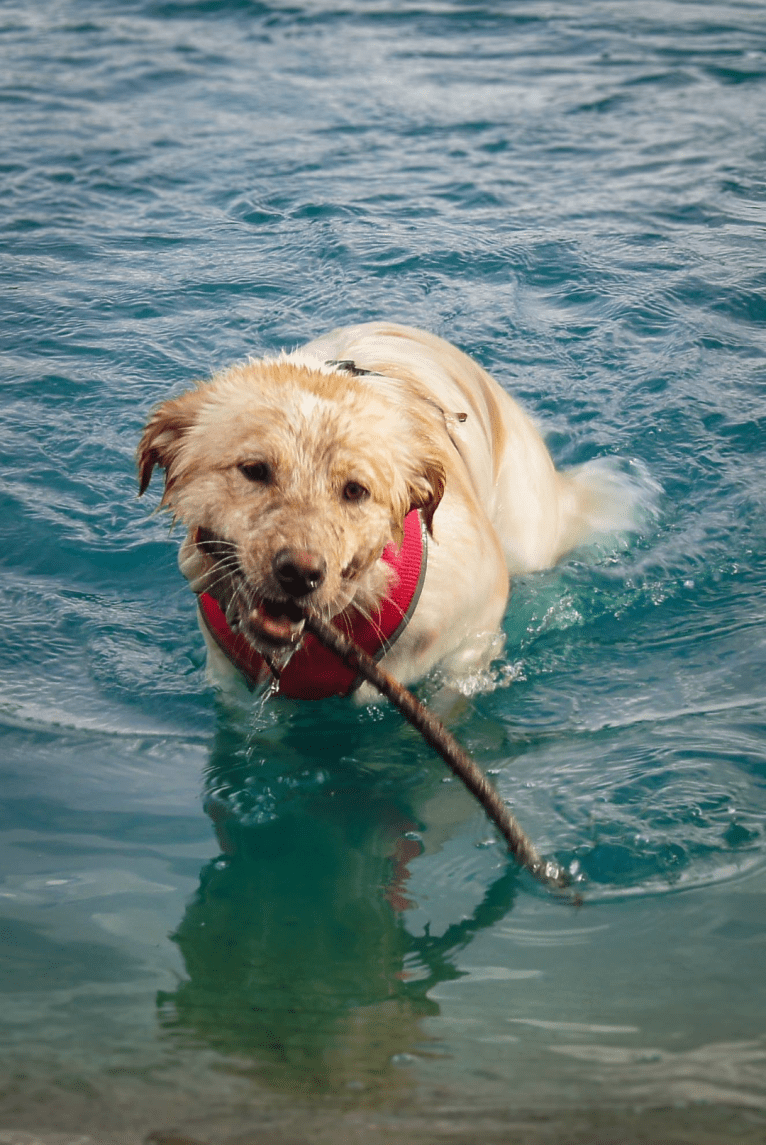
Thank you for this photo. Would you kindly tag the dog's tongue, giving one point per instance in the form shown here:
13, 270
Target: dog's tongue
277, 625
279, 629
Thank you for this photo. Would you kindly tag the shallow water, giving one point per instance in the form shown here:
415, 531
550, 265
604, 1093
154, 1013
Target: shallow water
293, 927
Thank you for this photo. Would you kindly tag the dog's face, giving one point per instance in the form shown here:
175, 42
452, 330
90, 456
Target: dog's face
291, 482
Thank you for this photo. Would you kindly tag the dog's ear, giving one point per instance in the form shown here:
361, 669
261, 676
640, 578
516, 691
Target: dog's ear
163, 437
426, 488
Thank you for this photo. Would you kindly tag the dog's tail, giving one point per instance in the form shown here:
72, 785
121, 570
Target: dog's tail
604, 498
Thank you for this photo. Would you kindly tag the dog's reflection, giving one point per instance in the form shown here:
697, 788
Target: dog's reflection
298, 956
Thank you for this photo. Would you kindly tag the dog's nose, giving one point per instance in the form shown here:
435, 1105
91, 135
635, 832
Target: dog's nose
299, 571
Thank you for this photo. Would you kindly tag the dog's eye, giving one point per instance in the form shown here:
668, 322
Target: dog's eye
355, 491
257, 471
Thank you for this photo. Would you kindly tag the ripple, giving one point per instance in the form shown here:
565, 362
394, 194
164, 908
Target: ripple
574, 194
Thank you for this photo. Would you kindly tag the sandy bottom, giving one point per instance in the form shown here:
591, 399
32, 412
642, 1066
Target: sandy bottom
299, 1126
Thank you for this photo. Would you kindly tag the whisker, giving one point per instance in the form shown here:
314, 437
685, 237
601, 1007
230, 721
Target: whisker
367, 615
367, 612
223, 572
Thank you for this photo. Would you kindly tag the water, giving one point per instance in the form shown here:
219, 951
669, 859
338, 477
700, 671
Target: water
293, 927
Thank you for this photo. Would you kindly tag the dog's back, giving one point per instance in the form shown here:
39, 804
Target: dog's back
539, 513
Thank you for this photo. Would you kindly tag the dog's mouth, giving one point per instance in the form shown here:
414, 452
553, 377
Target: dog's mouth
276, 623
268, 623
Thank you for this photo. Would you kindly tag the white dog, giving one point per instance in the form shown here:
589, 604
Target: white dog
377, 476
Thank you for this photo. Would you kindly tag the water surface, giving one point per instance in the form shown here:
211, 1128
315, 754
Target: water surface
293, 927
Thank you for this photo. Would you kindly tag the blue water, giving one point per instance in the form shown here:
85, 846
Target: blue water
292, 927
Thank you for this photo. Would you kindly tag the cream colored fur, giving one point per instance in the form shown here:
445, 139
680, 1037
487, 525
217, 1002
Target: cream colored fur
426, 428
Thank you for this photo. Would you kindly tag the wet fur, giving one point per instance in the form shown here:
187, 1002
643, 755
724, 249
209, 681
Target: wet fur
416, 424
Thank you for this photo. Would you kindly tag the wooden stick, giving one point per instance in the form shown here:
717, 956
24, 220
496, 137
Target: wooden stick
550, 873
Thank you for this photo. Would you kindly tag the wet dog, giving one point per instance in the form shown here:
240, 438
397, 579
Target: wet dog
301, 478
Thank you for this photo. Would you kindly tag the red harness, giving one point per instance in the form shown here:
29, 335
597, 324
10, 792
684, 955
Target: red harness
313, 672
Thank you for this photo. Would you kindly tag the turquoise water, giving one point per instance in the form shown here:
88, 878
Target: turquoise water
292, 927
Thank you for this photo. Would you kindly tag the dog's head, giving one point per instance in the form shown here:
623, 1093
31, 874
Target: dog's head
291, 482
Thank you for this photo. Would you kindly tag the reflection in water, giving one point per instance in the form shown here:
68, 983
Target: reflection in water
298, 958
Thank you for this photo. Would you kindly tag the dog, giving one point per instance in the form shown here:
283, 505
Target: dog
378, 477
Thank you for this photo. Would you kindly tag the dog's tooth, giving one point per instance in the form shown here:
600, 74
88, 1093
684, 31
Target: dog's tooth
232, 613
